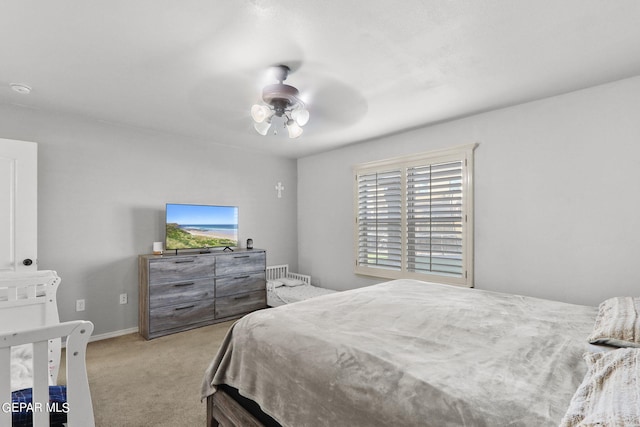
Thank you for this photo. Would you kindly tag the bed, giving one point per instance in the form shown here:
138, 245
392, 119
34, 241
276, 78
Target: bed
30, 349
285, 287
406, 353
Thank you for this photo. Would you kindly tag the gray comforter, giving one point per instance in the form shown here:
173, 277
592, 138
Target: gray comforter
408, 353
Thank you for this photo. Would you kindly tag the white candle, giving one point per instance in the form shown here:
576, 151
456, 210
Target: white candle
157, 248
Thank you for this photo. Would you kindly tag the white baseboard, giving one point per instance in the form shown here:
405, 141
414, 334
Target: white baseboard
113, 334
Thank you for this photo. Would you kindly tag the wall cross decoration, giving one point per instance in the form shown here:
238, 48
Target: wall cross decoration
279, 189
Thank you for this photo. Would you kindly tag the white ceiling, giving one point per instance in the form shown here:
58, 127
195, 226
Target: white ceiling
365, 68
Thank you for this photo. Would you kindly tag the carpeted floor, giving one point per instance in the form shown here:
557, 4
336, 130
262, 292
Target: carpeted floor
135, 382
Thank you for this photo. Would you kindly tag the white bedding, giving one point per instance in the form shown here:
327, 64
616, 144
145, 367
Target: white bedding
277, 296
22, 367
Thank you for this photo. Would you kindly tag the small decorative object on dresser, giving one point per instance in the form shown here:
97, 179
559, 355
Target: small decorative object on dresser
249, 244
157, 248
180, 292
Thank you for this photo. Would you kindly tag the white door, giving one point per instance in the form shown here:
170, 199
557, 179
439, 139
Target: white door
18, 205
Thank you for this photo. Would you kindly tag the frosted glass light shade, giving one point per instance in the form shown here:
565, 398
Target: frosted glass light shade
300, 116
263, 127
293, 129
260, 113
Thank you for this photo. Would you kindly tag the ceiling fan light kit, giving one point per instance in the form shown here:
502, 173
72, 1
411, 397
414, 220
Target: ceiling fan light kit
280, 100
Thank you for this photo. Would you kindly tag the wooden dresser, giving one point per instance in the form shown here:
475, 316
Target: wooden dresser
186, 291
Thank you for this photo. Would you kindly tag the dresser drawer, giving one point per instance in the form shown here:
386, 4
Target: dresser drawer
240, 304
180, 292
176, 269
241, 263
240, 284
180, 315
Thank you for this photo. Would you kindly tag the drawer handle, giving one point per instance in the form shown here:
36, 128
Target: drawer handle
242, 256
177, 285
182, 261
241, 277
241, 297
184, 308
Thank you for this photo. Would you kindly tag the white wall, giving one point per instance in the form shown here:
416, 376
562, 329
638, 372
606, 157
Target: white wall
102, 191
556, 196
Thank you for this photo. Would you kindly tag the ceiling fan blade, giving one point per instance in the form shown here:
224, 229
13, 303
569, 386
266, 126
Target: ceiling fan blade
335, 104
224, 101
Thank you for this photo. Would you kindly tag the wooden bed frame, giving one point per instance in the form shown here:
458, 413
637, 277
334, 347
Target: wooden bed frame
29, 315
227, 408
224, 411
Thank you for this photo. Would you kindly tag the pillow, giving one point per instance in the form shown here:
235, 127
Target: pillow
608, 394
291, 282
617, 323
272, 284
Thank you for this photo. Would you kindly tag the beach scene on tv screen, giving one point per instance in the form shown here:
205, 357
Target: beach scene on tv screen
201, 226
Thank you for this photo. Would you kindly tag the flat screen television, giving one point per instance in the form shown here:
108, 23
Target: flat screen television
200, 226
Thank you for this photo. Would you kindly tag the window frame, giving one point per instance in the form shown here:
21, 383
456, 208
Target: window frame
462, 153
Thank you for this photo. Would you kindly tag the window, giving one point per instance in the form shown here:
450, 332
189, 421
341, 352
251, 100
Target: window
414, 217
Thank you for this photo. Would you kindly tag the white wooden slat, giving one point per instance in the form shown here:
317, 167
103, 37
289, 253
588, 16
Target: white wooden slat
40, 383
277, 271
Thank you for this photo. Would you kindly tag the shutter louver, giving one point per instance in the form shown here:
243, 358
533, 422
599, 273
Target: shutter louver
379, 219
435, 219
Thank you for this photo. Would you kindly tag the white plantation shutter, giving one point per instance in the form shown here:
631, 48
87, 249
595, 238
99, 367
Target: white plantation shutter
414, 217
435, 219
379, 217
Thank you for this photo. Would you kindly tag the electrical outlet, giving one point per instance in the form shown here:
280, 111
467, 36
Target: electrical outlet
123, 298
80, 305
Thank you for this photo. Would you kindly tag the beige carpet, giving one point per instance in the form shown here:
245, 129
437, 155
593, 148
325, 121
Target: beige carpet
135, 382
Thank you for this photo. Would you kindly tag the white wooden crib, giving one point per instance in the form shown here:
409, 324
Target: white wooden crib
275, 272
29, 316
285, 287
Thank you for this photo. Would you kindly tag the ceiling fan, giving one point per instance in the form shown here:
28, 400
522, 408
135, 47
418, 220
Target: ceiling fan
281, 101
